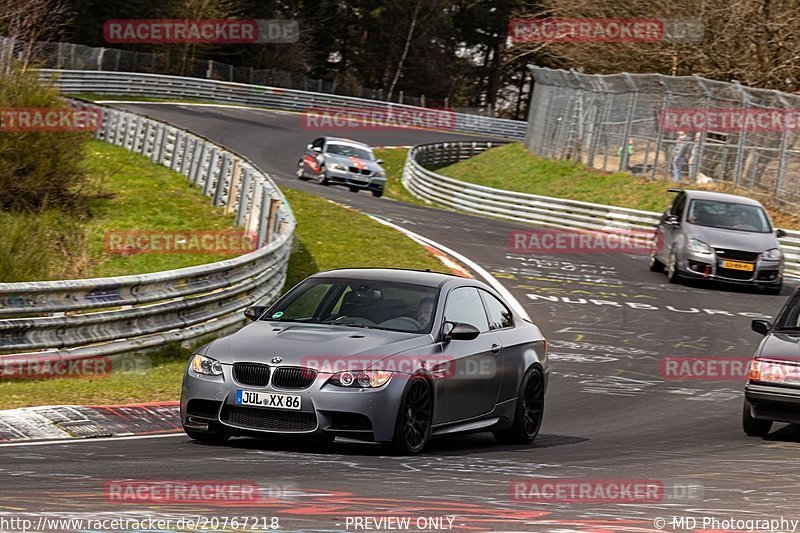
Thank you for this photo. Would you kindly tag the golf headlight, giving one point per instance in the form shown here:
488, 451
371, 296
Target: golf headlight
361, 379
320, 159
699, 247
773, 254
205, 365
774, 372
338, 166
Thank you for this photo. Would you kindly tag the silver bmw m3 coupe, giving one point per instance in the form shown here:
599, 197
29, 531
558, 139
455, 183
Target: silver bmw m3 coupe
379, 355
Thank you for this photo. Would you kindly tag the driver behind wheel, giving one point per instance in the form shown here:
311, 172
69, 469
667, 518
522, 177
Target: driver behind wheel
425, 312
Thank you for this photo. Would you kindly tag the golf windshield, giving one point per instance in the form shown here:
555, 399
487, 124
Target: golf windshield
728, 215
359, 303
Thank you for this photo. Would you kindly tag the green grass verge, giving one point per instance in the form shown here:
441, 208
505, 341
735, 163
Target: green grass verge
327, 236
394, 161
513, 168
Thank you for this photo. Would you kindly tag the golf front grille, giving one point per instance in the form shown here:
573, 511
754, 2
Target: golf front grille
253, 374
271, 419
293, 378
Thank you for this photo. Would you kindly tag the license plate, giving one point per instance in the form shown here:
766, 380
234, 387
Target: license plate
360, 179
736, 265
268, 399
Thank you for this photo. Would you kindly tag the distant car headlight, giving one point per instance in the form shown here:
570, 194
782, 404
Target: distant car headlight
699, 247
774, 372
338, 166
205, 365
364, 379
380, 174
774, 254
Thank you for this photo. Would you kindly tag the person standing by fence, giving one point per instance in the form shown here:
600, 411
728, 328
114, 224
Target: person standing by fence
680, 154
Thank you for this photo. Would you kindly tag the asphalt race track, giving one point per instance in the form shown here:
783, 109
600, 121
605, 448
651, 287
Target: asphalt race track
610, 413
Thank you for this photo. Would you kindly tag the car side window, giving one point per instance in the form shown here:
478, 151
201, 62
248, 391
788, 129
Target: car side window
679, 206
464, 305
499, 315
318, 143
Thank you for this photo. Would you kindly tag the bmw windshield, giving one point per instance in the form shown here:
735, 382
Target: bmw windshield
728, 215
349, 150
359, 303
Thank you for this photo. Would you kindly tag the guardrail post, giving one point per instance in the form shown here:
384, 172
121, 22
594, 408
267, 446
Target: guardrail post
272, 221
222, 180
189, 146
233, 190
121, 124
197, 163
263, 218
210, 172
180, 138
244, 198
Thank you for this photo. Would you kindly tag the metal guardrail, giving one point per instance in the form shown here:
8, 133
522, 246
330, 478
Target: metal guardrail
161, 86
530, 208
105, 316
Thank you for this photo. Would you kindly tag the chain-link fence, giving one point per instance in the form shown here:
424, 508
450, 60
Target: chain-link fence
627, 122
69, 56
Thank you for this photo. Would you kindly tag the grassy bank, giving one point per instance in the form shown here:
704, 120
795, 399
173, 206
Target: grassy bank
327, 236
511, 167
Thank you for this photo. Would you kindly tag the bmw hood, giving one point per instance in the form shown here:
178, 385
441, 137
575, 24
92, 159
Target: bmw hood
310, 344
730, 239
351, 161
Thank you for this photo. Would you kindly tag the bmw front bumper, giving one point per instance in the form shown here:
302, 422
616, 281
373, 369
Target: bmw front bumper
339, 177
364, 414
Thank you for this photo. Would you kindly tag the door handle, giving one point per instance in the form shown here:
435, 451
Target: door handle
496, 348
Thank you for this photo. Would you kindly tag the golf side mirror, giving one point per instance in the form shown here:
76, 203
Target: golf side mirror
254, 312
761, 326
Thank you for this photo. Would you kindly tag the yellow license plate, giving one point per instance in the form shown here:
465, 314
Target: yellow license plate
736, 265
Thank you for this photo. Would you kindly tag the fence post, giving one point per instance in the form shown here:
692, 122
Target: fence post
624, 163
737, 169
660, 129
781, 174
694, 168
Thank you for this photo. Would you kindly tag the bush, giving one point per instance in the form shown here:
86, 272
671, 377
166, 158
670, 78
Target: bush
41, 246
38, 169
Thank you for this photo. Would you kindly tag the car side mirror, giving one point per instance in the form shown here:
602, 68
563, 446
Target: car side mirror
460, 331
672, 220
761, 326
380, 161
254, 312
317, 149
779, 233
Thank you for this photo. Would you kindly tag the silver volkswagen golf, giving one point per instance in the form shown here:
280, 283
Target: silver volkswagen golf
711, 235
379, 355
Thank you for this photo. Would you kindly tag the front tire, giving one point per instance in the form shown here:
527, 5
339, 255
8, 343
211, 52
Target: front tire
774, 290
322, 179
529, 412
754, 427
654, 264
673, 273
413, 426
377, 194
301, 171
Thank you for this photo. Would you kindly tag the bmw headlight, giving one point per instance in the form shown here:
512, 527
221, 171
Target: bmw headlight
338, 166
774, 254
699, 247
205, 365
364, 379
320, 158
